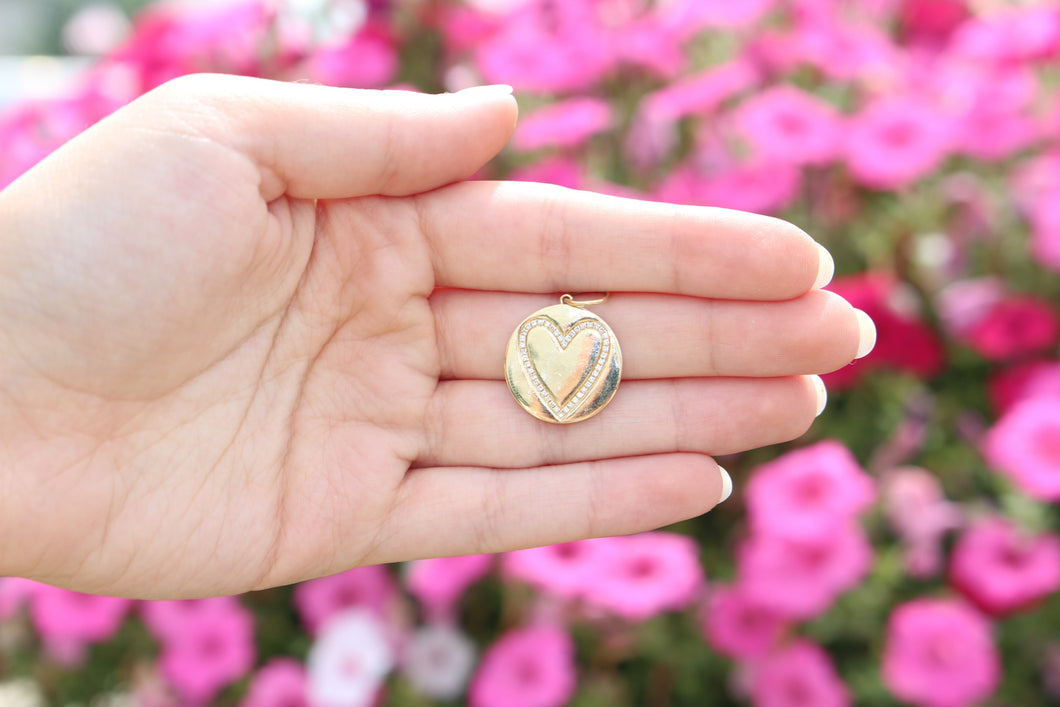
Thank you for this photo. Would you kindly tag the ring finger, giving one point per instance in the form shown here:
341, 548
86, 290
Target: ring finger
477, 423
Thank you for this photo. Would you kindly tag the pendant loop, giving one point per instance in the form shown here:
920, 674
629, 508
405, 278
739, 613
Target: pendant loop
569, 299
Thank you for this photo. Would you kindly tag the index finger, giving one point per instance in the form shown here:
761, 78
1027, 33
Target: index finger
524, 237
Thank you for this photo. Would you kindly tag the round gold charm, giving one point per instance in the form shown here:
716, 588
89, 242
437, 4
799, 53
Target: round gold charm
563, 363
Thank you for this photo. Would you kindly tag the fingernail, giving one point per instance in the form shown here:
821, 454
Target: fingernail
867, 331
825, 268
822, 394
726, 485
497, 89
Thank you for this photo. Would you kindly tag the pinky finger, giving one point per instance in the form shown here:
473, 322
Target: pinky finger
446, 511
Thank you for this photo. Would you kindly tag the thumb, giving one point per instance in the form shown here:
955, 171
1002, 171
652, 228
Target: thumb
320, 142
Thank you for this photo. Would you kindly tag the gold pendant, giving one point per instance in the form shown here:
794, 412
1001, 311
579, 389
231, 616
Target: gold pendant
563, 363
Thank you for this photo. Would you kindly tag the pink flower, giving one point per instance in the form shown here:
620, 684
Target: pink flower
1003, 571
731, 15
1025, 445
530, 55
939, 653
22, 147
699, 94
165, 619
648, 44
439, 583
651, 573
993, 107
789, 125
1035, 189
808, 493
1024, 380
561, 170
349, 660
211, 648
565, 124
841, 51
964, 303
1016, 34
688, 18
68, 621
649, 141
761, 187
32, 131
932, 22
171, 39
367, 60
371, 588
995, 132
280, 683
823, 12
737, 626
465, 27
566, 570
798, 675
653, 132
1014, 327
528, 667
903, 341
896, 141
812, 573
918, 511
1037, 181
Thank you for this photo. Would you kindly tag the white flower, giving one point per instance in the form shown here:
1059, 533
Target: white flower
21, 693
439, 661
349, 660
497, 7
96, 28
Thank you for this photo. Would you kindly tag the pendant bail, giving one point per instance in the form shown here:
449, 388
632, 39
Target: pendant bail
569, 300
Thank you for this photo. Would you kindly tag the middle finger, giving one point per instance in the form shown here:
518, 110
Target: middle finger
664, 336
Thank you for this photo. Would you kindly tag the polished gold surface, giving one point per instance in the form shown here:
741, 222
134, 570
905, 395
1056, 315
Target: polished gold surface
563, 363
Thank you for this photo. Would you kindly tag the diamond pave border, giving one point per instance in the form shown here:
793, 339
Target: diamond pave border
563, 339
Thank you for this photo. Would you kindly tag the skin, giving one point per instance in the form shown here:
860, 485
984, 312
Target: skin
253, 333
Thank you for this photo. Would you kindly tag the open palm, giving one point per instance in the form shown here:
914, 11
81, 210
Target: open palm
254, 333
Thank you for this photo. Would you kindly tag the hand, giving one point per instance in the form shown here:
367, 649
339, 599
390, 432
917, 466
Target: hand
250, 336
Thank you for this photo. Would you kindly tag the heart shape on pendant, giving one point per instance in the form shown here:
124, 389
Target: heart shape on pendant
563, 365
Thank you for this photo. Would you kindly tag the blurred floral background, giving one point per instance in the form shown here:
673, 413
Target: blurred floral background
904, 552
